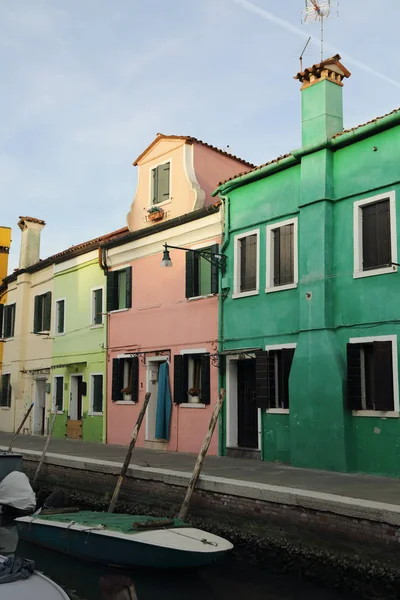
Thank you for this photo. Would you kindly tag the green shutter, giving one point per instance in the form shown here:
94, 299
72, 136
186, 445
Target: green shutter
354, 392
117, 379
98, 307
59, 392
13, 308
60, 316
154, 186
1, 390
97, 393
135, 378
128, 302
214, 270
111, 290
264, 375
1, 319
163, 182
37, 314
205, 392
190, 259
46, 311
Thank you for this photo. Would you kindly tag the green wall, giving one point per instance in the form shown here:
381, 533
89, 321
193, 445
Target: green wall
82, 346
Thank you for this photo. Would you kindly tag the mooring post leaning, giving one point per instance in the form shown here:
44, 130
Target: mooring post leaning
45, 448
20, 427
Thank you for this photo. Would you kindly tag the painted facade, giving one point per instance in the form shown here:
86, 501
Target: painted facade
159, 316
5, 243
310, 321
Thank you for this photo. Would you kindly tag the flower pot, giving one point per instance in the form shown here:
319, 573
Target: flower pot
156, 215
194, 399
128, 397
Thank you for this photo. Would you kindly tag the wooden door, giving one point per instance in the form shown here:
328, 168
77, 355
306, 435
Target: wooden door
74, 421
247, 409
74, 429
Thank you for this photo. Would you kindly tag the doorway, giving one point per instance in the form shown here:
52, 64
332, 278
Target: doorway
153, 365
39, 409
74, 421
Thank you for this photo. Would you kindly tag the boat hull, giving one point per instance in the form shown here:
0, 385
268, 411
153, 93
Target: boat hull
114, 550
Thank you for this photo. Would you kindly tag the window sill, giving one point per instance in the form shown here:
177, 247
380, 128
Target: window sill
380, 414
99, 414
201, 297
5, 407
117, 310
7, 339
59, 412
163, 203
192, 405
372, 272
244, 294
278, 411
281, 288
124, 402
59, 334
100, 325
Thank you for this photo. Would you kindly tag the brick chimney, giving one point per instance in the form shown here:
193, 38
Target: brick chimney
321, 100
30, 241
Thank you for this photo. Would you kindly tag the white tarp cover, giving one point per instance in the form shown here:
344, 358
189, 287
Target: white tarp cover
16, 491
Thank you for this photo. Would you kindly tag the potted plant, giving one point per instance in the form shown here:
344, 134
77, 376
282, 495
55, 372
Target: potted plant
194, 395
155, 213
127, 392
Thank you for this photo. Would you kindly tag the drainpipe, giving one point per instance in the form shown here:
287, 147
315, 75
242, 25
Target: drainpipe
102, 255
222, 421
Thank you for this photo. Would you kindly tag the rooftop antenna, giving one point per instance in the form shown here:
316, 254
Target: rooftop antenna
319, 10
302, 54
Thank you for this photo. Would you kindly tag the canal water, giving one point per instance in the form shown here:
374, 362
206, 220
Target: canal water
227, 580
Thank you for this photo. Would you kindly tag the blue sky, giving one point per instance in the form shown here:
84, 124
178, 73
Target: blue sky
86, 85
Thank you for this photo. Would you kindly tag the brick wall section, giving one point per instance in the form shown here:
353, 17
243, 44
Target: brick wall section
165, 497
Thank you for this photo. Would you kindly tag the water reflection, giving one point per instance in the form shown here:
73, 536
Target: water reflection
223, 581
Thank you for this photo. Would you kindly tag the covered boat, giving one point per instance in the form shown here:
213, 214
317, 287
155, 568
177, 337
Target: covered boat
16, 493
124, 540
22, 582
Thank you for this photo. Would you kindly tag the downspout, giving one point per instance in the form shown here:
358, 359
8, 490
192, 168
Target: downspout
222, 376
102, 255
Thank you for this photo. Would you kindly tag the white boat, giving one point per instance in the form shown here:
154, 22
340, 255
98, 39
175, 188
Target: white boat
36, 587
16, 493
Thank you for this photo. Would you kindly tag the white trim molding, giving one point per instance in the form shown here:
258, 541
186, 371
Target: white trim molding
270, 287
279, 411
236, 265
376, 413
357, 235
91, 412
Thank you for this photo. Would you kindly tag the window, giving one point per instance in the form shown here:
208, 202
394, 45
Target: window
97, 306
5, 390
282, 268
372, 380
96, 398
7, 320
119, 289
375, 242
42, 313
58, 393
272, 377
60, 316
201, 275
160, 183
246, 264
192, 378
125, 379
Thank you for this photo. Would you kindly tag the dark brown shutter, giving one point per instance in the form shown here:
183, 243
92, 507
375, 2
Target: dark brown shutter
190, 259
383, 376
111, 280
37, 314
205, 392
128, 302
135, 378
376, 241
117, 379
13, 308
354, 397
46, 311
2, 399
262, 383
83, 388
248, 263
283, 255
214, 270
287, 359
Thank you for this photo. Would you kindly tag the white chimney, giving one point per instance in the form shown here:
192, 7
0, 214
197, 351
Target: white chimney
30, 241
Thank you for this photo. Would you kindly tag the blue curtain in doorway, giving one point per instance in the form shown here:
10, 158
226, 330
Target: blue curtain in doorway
164, 403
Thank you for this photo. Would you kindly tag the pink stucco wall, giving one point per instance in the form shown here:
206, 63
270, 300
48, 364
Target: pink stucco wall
161, 318
211, 168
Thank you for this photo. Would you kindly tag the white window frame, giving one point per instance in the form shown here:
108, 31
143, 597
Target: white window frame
56, 315
7, 407
93, 325
114, 270
270, 287
236, 265
357, 235
192, 351
279, 411
92, 413
395, 367
162, 162
124, 356
53, 408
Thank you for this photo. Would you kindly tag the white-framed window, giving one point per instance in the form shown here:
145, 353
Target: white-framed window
7, 320
96, 394
5, 390
375, 239
97, 306
282, 256
60, 316
278, 366
58, 393
372, 376
42, 313
119, 289
160, 183
192, 378
246, 264
125, 379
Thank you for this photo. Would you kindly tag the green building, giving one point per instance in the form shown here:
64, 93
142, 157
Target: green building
309, 314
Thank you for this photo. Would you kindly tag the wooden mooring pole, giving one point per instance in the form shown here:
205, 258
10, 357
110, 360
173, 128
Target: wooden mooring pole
128, 456
200, 459
20, 427
45, 447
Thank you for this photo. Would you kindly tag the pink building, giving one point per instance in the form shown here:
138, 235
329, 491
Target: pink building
163, 322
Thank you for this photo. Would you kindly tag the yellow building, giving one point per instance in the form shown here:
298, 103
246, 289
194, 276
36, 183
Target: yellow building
5, 243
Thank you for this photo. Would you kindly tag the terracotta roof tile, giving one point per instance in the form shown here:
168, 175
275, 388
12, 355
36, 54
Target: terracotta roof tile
190, 140
396, 110
32, 220
274, 160
318, 67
